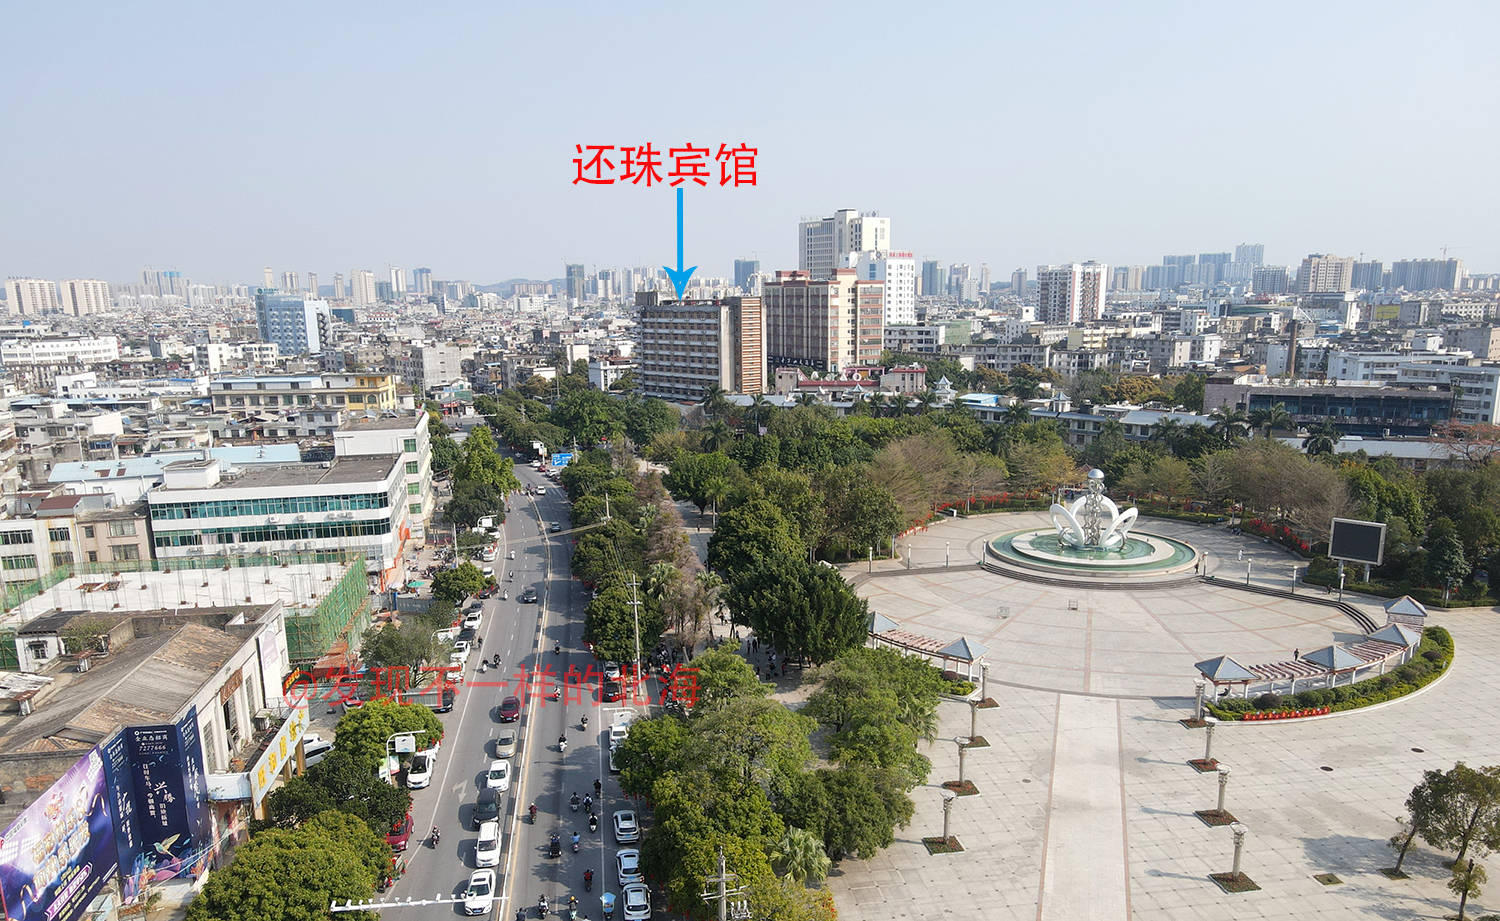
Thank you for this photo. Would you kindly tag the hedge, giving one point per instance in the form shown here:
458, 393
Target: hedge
1323, 571
1432, 658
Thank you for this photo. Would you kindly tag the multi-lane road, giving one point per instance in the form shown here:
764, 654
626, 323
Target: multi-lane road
524, 635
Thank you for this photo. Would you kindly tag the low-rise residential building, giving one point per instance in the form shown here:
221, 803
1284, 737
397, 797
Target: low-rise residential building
922, 339
403, 435
352, 391
606, 370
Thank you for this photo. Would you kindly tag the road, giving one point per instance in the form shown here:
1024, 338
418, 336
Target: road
524, 635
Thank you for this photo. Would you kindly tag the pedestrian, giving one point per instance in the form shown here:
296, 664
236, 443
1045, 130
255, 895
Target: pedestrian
1296, 654
1242, 554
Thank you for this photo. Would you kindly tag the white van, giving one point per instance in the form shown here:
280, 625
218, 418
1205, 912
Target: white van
487, 849
314, 749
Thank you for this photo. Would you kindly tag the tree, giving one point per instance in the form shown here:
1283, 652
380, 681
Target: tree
1465, 883
588, 416
800, 855
804, 609
653, 749
1446, 563
1401, 841
1457, 808
86, 634
724, 676
715, 401
750, 740
1272, 419
454, 585
1041, 465
364, 732
337, 782
859, 512
409, 646
646, 419
1321, 439
1188, 393
445, 454
610, 625
864, 809
691, 475
1230, 425
295, 874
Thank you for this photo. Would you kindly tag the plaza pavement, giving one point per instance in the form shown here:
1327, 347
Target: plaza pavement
1085, 805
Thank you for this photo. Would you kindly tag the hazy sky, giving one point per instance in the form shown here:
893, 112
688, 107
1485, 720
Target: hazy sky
218, 138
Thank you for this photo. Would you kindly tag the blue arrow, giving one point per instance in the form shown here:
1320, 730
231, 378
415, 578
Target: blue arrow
679, 275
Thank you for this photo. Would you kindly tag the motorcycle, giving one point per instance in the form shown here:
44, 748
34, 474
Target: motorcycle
533, 813
562, 743
588, 880
434, 836
585, 722
575, 842
574, 802
593, 822
482, 664
495, 662
541, 905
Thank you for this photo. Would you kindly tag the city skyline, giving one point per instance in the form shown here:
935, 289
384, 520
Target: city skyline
467, 166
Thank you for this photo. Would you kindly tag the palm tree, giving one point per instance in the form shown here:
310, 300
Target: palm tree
717, 436
758, 404
800, 855
715, 400
1322, 439
806, 399
1269, 420
1231, 425
1018, 413
925, 399
1024, 388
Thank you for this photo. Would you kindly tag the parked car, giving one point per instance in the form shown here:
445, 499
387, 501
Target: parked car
612, 691
498, 776
480, 894
460, 653
505, 744
400, 834
627, 829
637, 902
419, 773
314, 748
628, 866
489, 592
487, 848
510, 709
614, 766
611, 669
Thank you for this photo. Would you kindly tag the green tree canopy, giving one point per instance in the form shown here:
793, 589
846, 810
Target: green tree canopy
1458, 808
363, 732
610, 623
338, 782
454, 585
724, 676
803, 609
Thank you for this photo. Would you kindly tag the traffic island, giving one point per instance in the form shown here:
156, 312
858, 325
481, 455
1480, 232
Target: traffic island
1214, 818
1234, 882
949, 845
961, 787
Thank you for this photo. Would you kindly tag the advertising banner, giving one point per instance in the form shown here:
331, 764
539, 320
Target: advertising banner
58, 854
160, 798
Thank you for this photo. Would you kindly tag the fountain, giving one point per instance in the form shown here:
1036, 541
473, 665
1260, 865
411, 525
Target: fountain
1092, 537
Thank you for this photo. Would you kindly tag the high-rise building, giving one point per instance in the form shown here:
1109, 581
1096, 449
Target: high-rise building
338, 285
268, 278
899, 273
744, 272
1321, 274
1211, 267
1073, 293
362, 287
575, 282
825, 244
1253, 253
1018, 282
1126, 277
298, 325
289, 281
312, 283
687, 347
934, 278
1427, 274
1270, 279
824, 323
83, 296
30, 296
984, 278
1368, 276
421, 280
398, 281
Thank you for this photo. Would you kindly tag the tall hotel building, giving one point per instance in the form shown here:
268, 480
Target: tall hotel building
686, 347
824, 323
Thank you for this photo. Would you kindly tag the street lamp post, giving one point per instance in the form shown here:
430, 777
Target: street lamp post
1239, 831
973, 718
984, 681
1248, 564
947, 546
963, 750
948, 799
1200, 685
1223, 785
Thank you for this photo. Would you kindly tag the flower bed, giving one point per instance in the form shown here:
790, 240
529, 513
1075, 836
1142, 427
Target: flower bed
1279, 533
1433, 656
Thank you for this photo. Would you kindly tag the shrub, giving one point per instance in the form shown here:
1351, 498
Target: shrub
1441, 637
1434, 655
1235, 705
1268, 702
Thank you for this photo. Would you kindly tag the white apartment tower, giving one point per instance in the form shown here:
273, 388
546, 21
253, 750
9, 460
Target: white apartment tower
899, 272
825, 244
1322, 274
83, 296
29, 296
398, 281
362, 287
1070, 294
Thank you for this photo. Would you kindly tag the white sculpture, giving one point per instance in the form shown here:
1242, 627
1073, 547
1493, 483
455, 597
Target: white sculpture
1093, 521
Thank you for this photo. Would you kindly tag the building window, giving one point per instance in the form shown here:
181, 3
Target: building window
409, 446
119, 552
58, 535
411, 469
11, 538
93, 556
413, 489
122, 529
38, 650
62, 559
22, 561
415, 508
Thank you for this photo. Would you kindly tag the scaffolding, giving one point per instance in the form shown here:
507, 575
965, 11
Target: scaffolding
342, 613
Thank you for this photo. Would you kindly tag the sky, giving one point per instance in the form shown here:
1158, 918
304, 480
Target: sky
327, 137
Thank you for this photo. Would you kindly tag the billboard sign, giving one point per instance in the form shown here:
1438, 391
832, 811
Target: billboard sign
1356, 541
59, 852
160, 802
562, 460
283, 748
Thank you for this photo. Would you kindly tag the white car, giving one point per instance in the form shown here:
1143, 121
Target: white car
637, 902
480, 894
487, 848
498, 776
627, 829
419, 774
472, 621
541, 490
628, 866
314, 748
510, 554
612, 671
620, 728
460, 653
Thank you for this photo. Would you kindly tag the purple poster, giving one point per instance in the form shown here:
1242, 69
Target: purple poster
58, 854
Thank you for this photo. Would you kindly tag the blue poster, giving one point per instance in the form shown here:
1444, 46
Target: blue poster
161, 802
58, 854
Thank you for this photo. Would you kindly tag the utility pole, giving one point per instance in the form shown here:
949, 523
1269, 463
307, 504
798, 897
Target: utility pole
635, 610
739, 910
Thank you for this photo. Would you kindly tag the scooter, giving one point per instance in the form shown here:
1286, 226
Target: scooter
593, 822
574, 802
575, 842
